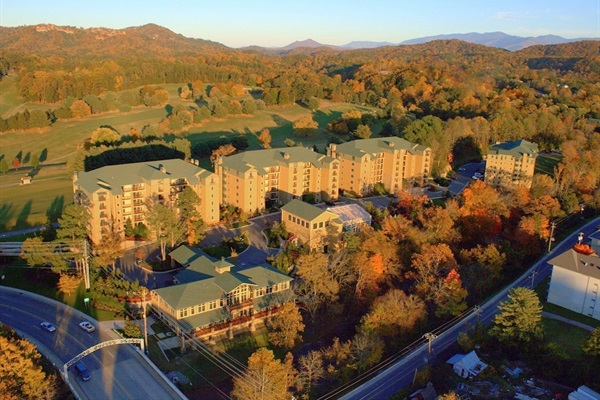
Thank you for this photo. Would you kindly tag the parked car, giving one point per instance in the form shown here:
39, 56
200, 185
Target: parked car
87, 326
461, 169
48, 326
82, 371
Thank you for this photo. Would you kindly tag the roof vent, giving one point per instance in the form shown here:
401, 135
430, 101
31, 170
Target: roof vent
162, 168
286, 156
391, 144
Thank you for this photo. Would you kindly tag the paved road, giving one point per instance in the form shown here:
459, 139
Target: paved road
118, 372
399, 375
463, 178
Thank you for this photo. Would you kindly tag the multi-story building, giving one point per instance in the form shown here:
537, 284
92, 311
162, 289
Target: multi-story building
116, 193
390, 161
511, 163
310, 224
213, 297
253, 178
575, 282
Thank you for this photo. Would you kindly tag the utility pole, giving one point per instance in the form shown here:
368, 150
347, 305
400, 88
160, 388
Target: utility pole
429, 336
551, 236
85, 265
144, 294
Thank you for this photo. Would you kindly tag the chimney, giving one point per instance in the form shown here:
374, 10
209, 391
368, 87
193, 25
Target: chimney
162, 168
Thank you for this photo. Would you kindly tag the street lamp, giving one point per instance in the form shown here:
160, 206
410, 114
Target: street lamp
580, 237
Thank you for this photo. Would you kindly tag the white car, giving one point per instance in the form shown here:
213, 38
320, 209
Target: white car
461, 169
478, 174
87, 326
48, 326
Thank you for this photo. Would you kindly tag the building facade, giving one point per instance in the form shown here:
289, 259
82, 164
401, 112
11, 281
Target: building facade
214, 297
391, 161
116, 193
253, 179
310, 224
511, 163
575, 282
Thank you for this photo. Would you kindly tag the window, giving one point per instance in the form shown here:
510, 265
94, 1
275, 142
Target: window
321, 224
315, 225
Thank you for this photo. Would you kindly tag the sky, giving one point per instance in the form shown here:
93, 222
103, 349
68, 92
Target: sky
236, 23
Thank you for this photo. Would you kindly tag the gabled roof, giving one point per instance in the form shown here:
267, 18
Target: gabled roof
263, 160
588, 265
361, 147
515, 148
114, 177
200, 282
304, 210
469, 361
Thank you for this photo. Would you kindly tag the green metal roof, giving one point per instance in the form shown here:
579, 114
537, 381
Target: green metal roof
264, 159
274, 299
200, 282
203, 319
515, 148
304, 210
361, 147
114, 177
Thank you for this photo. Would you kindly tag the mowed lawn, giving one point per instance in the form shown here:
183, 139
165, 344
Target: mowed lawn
545, 163
28, 205
22, 206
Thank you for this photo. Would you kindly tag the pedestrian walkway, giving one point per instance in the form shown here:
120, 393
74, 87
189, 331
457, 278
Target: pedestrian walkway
567, 321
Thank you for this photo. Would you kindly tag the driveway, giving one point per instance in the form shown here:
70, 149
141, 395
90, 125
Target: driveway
463, 178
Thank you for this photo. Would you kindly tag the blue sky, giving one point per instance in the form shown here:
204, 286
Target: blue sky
278, 23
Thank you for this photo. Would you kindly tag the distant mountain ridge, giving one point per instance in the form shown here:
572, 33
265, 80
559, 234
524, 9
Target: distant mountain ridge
491, 39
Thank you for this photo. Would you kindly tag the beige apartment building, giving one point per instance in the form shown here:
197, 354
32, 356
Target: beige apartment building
253, 178
511, 163
116, 193
389, 161
310, 224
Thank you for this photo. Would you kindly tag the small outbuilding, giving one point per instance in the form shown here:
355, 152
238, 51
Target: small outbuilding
467, 365
25, 180
353, 216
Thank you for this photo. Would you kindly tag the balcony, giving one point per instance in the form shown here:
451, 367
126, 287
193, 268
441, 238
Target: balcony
238, 306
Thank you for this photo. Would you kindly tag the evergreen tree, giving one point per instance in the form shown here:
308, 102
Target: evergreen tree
520, 318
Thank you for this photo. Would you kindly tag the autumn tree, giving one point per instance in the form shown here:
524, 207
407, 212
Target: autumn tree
313, 104
265, 138
265, 378
450, 297
317, 287
16, 163
224, 150
366, 350
310, 370
165, 225
520, 319
482, 267
429, 266
393, 313
80, 109
362, 132
305, 125
21, 373
110, 247
68, 283
187, 204
285, 327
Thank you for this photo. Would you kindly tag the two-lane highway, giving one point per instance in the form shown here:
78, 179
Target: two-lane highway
118, 372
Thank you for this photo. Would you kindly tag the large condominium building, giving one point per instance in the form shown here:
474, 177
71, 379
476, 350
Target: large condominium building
389, 161
251, 178
511, 163
116, 193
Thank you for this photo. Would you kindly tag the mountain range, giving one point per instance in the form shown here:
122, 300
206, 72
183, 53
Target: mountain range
490, 39
151, 40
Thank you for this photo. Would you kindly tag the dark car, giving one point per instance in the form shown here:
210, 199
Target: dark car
82, 371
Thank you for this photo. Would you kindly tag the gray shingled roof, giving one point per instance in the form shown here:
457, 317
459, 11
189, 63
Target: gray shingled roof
361, 147
264, 159
577, 262
303, 210
114, 177
515, 148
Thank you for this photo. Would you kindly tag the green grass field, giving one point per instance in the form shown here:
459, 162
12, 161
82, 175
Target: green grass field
545, 163
27, 205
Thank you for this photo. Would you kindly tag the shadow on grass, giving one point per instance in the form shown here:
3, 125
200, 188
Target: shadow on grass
23, 215
6, 213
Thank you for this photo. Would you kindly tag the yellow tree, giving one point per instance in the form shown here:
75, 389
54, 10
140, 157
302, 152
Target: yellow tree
305, 125
394, 313
265, 378
285, 327
265, 138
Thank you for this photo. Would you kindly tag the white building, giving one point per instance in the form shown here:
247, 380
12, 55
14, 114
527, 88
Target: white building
575, 282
